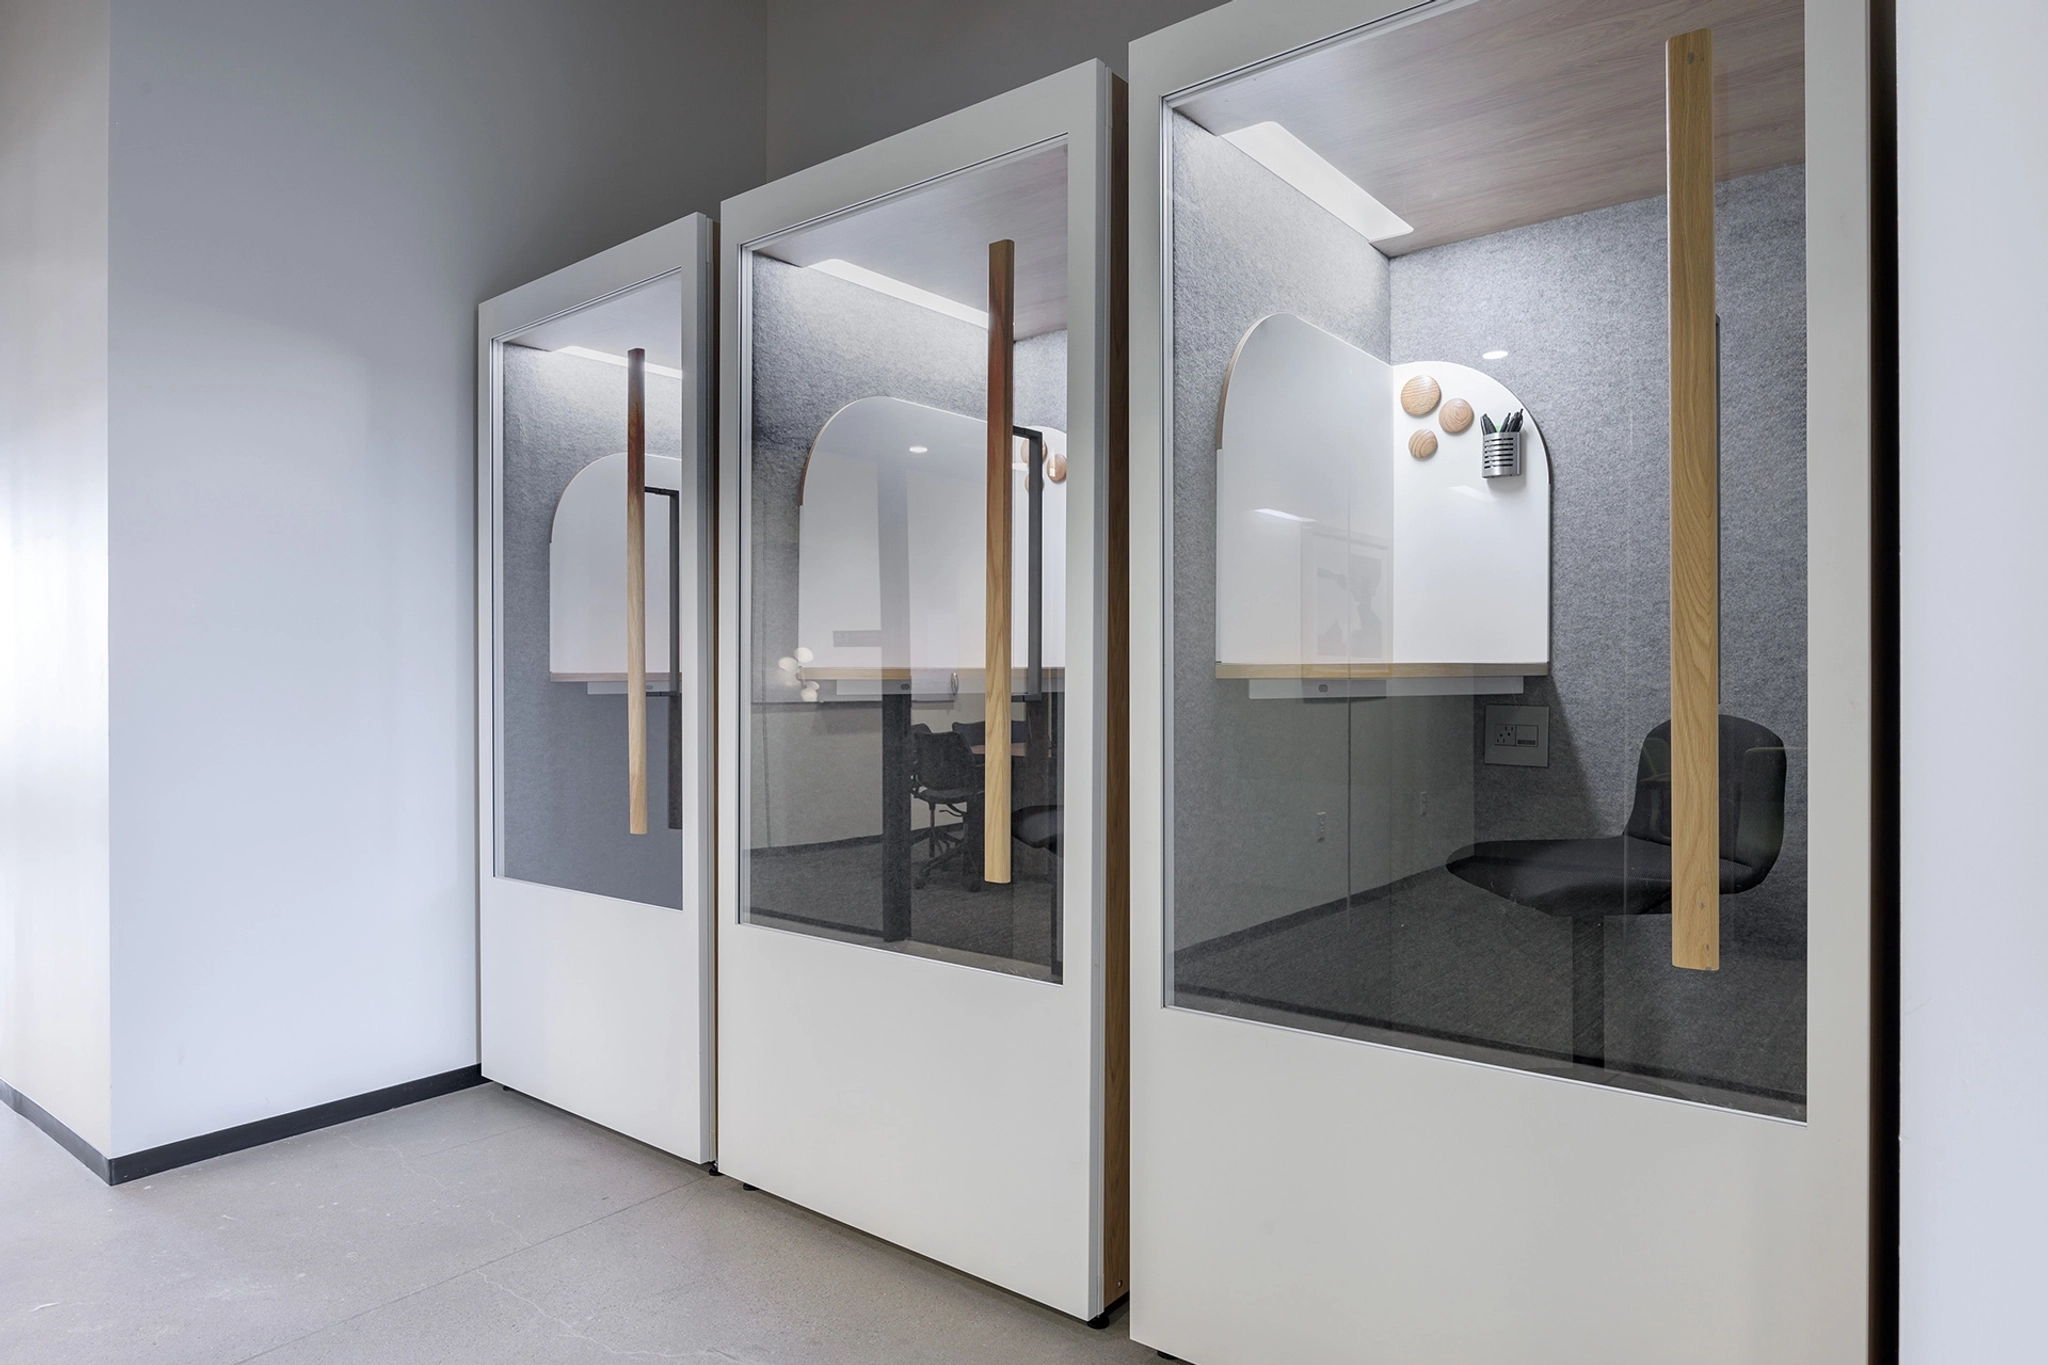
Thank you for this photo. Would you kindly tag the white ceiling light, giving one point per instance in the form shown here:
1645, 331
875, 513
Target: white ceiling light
1494, 355
919, 450
897, 289
586, 353
1294, 161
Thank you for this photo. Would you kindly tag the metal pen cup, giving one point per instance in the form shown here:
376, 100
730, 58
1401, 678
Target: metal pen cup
1501, 454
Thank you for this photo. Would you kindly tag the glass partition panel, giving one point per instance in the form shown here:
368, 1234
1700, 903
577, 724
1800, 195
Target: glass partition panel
562, 724
1422, 570
874, 807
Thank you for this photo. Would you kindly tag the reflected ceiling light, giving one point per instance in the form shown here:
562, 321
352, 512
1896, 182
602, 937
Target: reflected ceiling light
1494, 355
1294, 161
1284, 516
919, 450
585, 353
897, 289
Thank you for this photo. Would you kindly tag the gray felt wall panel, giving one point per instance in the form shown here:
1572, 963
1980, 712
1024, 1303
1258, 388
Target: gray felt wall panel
1578, 304
564, 759
1249, 778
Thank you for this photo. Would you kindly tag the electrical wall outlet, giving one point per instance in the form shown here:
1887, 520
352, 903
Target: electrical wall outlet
1518, 736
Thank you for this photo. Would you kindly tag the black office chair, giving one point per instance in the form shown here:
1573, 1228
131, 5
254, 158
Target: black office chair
1033, 826
1037, 827
948, 778
974, 731
1586, 880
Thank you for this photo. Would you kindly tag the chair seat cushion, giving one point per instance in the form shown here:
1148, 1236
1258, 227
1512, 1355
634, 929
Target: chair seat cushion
1622, 875
1038, 826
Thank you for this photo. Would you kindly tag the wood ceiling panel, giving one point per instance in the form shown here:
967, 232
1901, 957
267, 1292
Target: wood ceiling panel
1472, 119
936, 236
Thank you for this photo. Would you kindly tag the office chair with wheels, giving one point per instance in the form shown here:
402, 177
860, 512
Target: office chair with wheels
948, 778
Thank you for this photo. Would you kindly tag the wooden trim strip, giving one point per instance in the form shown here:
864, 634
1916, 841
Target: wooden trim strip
1116, 935
1002, 302
1695, 508
636, 591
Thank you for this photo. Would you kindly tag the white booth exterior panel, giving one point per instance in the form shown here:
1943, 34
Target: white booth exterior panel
955, 1111
596, 1004
1320, 1199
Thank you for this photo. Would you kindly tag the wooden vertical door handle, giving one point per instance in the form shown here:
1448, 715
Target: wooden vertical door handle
636, 591
995, 763
1695, 507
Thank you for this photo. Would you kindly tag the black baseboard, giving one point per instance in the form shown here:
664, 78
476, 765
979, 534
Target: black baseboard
59, 1132
155, 1160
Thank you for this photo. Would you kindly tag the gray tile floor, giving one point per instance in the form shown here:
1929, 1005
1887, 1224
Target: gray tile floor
482, 1226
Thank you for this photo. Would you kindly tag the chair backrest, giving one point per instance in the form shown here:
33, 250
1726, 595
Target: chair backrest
944, 762
1752, 793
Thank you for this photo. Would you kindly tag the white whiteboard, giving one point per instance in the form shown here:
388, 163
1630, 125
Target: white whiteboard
587, 572
1304, 502
1335, 548
891, 546
1472, 578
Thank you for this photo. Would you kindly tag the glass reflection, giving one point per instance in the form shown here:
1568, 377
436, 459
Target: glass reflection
868, 757
1420, 571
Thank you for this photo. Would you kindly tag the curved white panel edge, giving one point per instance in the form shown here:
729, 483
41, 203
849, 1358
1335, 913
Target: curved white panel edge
1335, 547
887, 474
587, 572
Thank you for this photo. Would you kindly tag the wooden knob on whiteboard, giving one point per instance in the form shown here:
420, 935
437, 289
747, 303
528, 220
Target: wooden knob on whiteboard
1422, 444
1456, 416
1055, 466
1419, 396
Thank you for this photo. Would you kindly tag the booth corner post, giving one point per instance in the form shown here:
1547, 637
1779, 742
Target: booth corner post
1695, 507
636, 590
1002, 290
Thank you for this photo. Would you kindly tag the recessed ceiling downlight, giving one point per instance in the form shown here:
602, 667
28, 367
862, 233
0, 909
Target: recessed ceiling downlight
1493, 355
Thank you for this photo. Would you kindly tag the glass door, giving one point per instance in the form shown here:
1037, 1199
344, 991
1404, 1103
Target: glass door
594, 927
914, 946
1488, 688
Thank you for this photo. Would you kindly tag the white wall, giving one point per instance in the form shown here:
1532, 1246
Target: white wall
1973, 287
843, 75
308, 202
53, 539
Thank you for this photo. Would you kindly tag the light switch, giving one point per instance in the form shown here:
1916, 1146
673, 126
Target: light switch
1518, 736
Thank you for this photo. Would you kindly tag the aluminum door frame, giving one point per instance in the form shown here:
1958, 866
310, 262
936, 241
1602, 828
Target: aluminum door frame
1295, 1220
601, 1006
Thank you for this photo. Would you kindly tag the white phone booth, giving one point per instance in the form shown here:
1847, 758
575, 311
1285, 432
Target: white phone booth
921, 945
593, 680
1501, 691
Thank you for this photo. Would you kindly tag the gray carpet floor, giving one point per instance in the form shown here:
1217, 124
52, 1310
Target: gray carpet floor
837, 888
1436, 963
